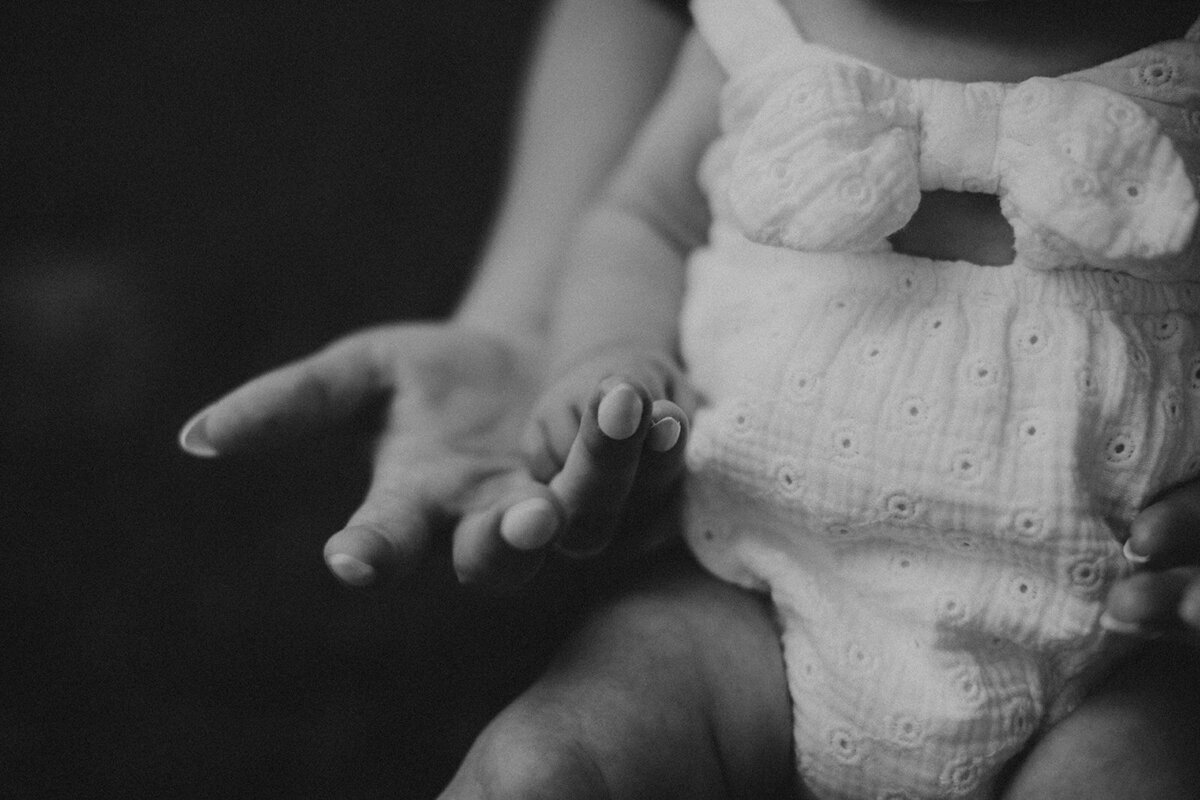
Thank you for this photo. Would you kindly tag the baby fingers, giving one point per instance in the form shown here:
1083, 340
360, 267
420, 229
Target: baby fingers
666, 427
661, 461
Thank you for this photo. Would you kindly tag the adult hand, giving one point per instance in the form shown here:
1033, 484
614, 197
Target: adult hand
447, 459
1163, 594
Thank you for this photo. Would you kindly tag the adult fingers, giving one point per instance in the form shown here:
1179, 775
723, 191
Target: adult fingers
601, 465
500, 547
504, 518
415, 488
1150, 602
1164, 534
313, 393
389, 533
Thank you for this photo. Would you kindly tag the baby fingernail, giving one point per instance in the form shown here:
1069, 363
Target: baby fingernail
193, 437
663, 434
529, 524
620, 413
1132, 557
350, 570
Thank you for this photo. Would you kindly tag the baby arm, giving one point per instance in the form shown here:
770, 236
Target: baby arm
616, 385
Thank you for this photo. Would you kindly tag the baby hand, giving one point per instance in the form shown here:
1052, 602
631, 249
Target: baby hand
1163, 594
607, 434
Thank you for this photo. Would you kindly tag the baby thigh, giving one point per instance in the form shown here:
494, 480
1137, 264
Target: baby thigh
674, 689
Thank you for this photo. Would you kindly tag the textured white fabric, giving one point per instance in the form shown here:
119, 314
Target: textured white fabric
924, 463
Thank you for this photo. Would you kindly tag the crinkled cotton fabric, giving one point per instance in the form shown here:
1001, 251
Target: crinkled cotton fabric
929, 465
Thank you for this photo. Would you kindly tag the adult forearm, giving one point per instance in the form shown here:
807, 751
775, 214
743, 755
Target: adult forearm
597, 69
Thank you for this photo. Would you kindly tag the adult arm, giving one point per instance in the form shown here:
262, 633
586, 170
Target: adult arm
458, 392
597, 70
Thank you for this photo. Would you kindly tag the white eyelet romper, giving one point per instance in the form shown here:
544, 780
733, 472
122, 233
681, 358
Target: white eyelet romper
928, 465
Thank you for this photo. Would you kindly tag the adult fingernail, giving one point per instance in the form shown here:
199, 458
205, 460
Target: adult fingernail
350, 570
193, 437
1125, 628
1132, 557
663, 434
529, 524
620, 412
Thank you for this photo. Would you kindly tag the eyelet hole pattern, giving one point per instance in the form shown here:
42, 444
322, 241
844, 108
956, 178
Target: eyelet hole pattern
789, 477
802, 384
914, 412
1031, 432
967, 466
846, 442
1156, 74
839, 530
845, 746
741, 419
983, 373
1086, 574
1032, 340
1172, 406
1079, 184
839, 305
900, 506
1132, 192
1166, 329
872, 353
1122, 113
1020, 717
950, 609
1023, 589
1120, 448
969, 684
859, 658
1028, 523
1085, 381
905, 730
855, 191
962, 776
1138, 357
1194, 374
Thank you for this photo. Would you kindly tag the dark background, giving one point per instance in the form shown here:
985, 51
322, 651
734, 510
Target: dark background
191, 194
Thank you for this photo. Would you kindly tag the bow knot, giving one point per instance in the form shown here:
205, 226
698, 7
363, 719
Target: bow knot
835, 157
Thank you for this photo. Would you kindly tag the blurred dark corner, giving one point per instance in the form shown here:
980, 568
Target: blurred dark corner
189, 195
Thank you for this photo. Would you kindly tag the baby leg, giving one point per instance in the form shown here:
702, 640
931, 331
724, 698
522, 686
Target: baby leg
675, 689
1135, 738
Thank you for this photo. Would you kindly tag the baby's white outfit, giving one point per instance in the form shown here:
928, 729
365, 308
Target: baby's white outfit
924, 462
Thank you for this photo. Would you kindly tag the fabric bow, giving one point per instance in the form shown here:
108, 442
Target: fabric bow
834, 157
